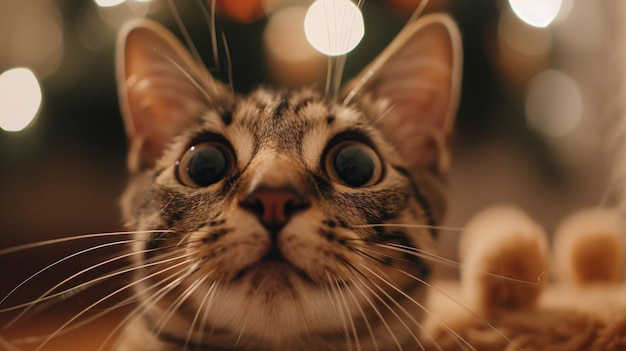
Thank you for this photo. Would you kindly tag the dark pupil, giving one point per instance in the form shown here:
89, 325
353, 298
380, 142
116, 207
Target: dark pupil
207, 165
354, 165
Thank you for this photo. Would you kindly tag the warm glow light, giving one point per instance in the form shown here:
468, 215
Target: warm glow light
524, 39
20, 99
554, 103
537, 13
334, 27
564, 11
291, 61
284, 35
243, 11
35, 37
114, 16
109, 3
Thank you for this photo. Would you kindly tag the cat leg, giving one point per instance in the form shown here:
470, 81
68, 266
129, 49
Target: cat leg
589, 248
504, 256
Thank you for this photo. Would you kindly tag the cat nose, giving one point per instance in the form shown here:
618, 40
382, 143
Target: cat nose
274, 206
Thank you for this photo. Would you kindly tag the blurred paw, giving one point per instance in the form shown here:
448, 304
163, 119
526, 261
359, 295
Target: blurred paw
589, 248
504, 256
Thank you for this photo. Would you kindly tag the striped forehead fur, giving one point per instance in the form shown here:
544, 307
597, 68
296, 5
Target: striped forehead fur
300, 123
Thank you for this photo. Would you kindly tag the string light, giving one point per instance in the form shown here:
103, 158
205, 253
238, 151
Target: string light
334, 27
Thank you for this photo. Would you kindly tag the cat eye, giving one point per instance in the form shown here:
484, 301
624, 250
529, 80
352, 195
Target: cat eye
353, 163
204, 164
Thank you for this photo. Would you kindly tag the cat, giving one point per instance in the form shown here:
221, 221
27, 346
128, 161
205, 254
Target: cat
284, 220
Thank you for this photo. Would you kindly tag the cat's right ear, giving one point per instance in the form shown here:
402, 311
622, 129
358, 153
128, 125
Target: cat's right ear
162, 89
416, 81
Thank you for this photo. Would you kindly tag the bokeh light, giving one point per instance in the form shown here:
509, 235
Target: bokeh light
334, 27
566, 8
521, 38
35, 37
243, 11
537, 13
109, 3
116, 16
284, 36
554, 103
20, 99
292, 61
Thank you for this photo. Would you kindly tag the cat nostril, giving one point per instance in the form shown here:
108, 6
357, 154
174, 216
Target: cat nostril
274, 207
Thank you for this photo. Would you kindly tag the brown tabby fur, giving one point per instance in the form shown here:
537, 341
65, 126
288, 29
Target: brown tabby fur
218, 277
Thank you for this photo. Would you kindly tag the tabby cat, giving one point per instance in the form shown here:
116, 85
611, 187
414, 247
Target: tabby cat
284, 220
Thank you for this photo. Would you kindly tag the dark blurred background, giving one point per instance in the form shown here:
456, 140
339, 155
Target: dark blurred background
537, 101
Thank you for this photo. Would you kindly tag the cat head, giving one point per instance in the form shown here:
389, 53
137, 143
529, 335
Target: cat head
277, 201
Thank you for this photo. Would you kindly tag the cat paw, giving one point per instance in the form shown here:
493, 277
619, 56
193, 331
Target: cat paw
589, 248
504, 256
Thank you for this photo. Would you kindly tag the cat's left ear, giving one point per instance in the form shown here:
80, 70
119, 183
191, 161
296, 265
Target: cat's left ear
416, 82
162, 90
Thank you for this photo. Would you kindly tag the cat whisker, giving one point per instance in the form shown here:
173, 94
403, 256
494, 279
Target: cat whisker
66, 328
175, 306
244, 324
5, 344
442, 260
66, 258
364, 249
205, 306
211, 18
81, 286
35, 339
149, 303
37, 244
418, 12
378, 287
135, 313
458, 338
354, 272
401, 225
213, 31
192, 80
422, 307
344, 310
387, 281
229, 66
362, 313
185, 32
340, 63
63, 328
47, 296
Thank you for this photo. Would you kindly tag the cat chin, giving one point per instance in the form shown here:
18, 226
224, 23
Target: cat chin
279, 308
272, 279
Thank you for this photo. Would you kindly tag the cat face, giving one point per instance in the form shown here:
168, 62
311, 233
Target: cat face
286, 219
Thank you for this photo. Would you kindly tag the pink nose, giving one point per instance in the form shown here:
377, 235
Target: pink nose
274, 206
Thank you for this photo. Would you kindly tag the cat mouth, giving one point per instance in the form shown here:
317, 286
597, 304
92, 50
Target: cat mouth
272, 265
